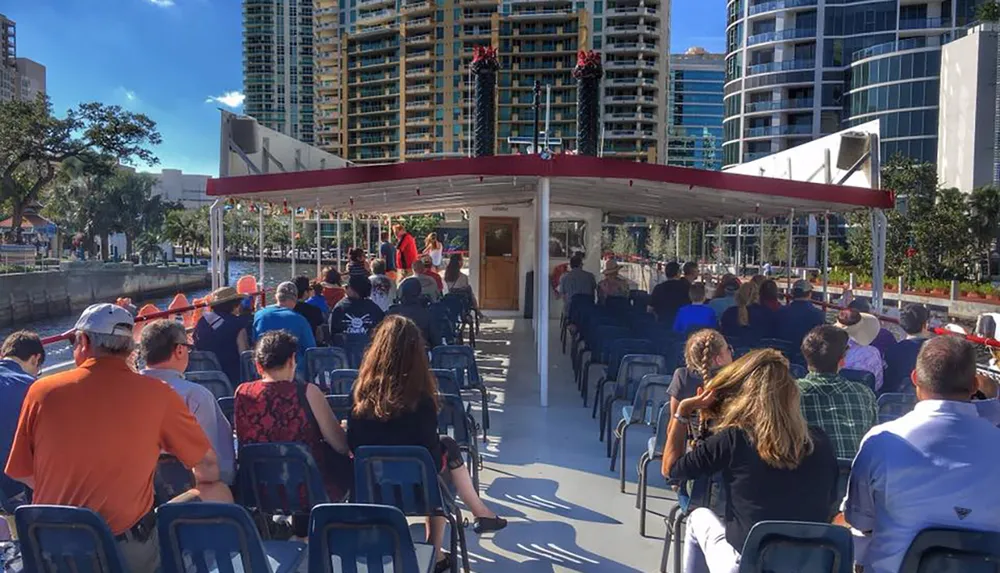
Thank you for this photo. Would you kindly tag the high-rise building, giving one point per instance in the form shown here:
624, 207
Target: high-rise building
799, 69
20, 78
694, 109
967, 124
405, 92
278, 65
30, 77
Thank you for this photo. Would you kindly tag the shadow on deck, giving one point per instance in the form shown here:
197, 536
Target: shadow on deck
546, 471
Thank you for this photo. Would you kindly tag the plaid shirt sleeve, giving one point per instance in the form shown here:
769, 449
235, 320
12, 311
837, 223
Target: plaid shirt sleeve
844, 410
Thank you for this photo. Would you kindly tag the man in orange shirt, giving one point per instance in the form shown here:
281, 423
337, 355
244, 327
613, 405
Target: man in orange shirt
91, 436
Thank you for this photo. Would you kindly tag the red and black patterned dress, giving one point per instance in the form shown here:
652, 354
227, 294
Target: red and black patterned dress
267, 412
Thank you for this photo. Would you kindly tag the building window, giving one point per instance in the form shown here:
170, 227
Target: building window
567, 237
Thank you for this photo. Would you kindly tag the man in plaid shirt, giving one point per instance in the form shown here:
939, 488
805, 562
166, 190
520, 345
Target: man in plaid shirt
843, 409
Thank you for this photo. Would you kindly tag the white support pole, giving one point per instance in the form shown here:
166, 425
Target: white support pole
739, 247
763, 255
788, 262
213, 231
721, 245
379, 240
223, 268
690, 246
542, 289
548, 113
354, 230
677, 241
260, 247
336, 265
826, 252
879, 224
291, 235
319, 241
368, 234
704, 241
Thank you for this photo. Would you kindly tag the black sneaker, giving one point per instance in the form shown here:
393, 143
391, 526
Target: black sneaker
488, 524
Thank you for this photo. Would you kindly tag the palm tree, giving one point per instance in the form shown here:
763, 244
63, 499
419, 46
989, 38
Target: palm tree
984, 220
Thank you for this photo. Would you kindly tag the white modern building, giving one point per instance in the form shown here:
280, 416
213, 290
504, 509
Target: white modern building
188, 189
968, 98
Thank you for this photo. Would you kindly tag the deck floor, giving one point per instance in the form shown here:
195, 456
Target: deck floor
547, 472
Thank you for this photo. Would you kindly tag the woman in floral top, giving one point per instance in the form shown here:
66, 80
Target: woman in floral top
612, 284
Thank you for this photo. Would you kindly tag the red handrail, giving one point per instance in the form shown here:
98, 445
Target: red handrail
152, 316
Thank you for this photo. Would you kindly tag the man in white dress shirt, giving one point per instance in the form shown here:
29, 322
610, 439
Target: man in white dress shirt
933, 467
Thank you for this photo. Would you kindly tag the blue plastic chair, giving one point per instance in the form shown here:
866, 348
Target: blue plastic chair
654, 452
892, 405
61, 539
215, 380
341, 404
200, 360
639, 299
630, 374
322, 360
407, 478
600, 353
649, 398
454, 421
447, 383
248, 367
620, 348
340, 381
946, 550
860, 376
349, 537
280, 478
171, 479
194, 536
228, 406
355, 346
462, 361
796, 546
798, 370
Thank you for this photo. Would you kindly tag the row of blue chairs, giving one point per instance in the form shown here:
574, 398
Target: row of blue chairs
391, 483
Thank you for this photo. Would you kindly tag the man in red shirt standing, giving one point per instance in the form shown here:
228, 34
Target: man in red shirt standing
406, 249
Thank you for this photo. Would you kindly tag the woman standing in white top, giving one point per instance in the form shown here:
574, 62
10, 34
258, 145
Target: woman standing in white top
434, 249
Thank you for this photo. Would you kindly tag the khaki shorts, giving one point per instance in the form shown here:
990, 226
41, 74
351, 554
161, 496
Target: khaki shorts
141, 556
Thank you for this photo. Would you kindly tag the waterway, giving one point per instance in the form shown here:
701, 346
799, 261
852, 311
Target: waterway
274, 273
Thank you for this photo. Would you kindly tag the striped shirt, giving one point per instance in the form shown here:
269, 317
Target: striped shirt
845, 410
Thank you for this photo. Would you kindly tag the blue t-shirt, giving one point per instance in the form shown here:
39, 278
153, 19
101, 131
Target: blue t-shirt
281, 318
319, 301
692, 316
900, 360
14, 383
794, 321
388, 253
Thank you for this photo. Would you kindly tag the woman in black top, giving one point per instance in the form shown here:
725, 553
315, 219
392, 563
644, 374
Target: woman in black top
773, 466
395, 404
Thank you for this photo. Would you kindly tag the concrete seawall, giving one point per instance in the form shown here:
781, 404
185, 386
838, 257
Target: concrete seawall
26, 297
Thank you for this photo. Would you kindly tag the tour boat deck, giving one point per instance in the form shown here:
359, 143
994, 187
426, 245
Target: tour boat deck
546, 471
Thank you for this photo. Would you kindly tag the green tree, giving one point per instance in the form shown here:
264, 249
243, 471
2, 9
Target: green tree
188, 228
417, 225
33, 143
984, 222
623, 244
988, 12
657, 242
940, 229
139, 210
81, 202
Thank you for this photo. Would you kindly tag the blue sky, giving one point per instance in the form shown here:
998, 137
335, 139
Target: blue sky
178, 61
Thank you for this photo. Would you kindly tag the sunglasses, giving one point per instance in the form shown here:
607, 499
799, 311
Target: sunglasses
185, 345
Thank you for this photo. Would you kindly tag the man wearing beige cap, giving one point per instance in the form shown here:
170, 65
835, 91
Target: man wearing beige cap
282, 316
91, 436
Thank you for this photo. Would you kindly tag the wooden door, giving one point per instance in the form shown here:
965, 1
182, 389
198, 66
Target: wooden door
498, 276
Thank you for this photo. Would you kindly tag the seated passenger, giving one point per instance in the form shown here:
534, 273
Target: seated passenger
933, 467
725, 294
611, 285
356, 314
357, 265
412, 306
884, 339
900, 358
395, 404
862, 329
282, 316
843, 409
671, 294
799, 316
332, 283
310, 312
695, 315
222, 332
773, 465
277, 408
92, 436
165, 349
576, 281
769, 297
428, 286
317, 298
748, 321
21, 358
705, 353
383, 287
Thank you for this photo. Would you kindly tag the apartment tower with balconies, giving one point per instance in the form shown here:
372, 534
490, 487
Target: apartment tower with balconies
278, 65
800, 69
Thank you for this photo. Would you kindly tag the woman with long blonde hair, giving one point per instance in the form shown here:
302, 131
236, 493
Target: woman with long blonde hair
773, 466
434, 249
396, 404
748, 321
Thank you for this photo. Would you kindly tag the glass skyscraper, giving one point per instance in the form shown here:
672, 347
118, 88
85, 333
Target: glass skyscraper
694, 109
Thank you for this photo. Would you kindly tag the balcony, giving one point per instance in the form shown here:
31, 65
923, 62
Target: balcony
631, 82
629, 29
784, 104
627, 116
782, 66
773, 130
630, 99
754, 155
888, 47
541, 14
419, 105
629, 47
781, 35
418, 22
778, 5
629, 64
417, 6
631, 11
924, 23
421, 120
419, 72
376, 15
373, 3
419, 55
419, 39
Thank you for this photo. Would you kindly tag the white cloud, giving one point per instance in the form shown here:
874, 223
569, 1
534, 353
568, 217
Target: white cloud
130, 95
233, 99
161, 3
